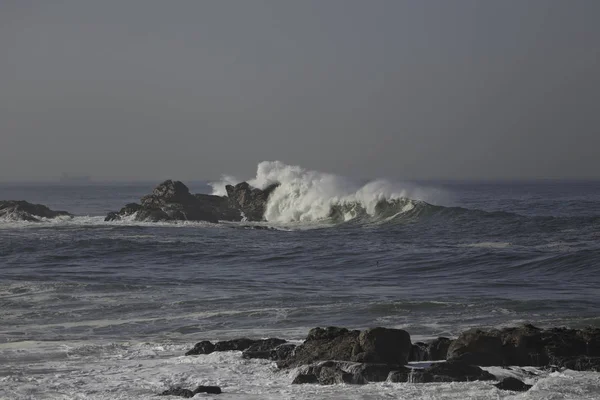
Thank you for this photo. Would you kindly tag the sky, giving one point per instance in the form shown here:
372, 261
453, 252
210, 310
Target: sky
190, 90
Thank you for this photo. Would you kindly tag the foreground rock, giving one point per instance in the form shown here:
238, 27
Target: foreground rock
513, 384
529, 346
272, 348
186, 393
24, 211
336, 372
337, 355
375, 345
172, 201
449, 371
434, 350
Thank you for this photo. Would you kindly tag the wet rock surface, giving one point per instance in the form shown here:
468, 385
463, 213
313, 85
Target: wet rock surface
527, 345
172, 201
512, 384
19, 210
336, 355
375, 345
250, 201
187, 393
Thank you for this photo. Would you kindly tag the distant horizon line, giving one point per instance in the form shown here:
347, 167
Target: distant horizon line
90, 181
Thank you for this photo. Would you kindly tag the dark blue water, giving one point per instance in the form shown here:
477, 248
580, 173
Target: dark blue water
484, 254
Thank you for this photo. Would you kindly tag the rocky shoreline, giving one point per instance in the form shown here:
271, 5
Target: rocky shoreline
335, 355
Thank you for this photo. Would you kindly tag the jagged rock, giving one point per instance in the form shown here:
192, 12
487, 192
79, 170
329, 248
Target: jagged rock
383, 345
334, 372
327, 373
375, 345
434, 350
234, 344
203, 347
282, 352
580, 363
323, 344
262, 348
370, 372
438, 349
513, 384
418, 352
528, 345
251, 201
19, 210
483, 346
449, 371
172, 201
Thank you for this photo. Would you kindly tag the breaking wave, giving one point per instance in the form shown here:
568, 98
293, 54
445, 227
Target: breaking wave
305, 195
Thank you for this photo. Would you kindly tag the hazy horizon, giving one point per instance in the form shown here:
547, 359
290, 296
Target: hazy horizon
419, 91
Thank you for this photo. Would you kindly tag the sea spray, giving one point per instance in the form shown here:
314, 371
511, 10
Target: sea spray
306, 195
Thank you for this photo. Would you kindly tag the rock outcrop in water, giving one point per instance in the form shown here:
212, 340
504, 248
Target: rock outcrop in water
375, 345
250, 201
577, 349
24, 211
172, 201
337, 355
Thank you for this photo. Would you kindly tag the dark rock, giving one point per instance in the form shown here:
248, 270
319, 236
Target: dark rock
178, 392
331, 332
323, 344
523, 345
484, 346
449, 371
383, 345
189, 393
282, 352
528, 345
234, 344
327, 373
418, 352
513, 384
370, 372
438, 349
208, 389
580, 363
375, 345
172, 201
262, 348
24, 211
251, 201
204, 347
478, 358
435, 350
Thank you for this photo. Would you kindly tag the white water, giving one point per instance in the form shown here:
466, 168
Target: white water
305, 195
129, 370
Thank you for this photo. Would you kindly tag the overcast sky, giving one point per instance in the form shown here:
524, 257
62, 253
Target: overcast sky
402, 89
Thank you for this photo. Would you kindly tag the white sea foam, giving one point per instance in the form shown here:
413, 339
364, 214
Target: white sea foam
130, 370
305, 195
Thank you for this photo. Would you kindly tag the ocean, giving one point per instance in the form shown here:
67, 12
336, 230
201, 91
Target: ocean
106, 310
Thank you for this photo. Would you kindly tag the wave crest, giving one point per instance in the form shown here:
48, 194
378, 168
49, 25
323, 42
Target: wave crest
305, 195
